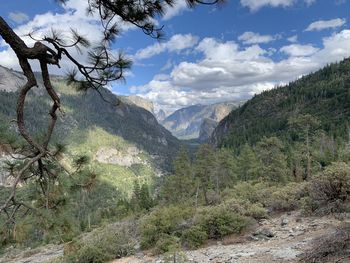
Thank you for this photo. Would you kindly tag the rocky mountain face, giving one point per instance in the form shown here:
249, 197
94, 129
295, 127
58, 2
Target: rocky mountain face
325, 95
123, 139
140, 102
186, 123
10, 80
206, 129
160, 115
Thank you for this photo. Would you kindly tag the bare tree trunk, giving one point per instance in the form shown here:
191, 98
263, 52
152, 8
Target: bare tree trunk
308, 154
197, 193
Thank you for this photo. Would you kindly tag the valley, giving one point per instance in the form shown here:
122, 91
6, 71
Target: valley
214, 197
220, 135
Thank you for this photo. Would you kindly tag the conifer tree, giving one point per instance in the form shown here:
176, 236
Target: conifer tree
303, 128
225, 169
204, 170
247, 164
179, 186
274, 162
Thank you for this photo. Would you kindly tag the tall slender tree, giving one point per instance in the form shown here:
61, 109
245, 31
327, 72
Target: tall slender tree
303, 128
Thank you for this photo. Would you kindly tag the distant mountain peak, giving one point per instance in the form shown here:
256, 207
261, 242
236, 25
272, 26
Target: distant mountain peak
185, 123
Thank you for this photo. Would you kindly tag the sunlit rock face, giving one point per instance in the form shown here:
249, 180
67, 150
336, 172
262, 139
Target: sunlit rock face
186, 123
123, 158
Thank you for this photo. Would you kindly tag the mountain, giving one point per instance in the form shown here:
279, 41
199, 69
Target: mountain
140, 102
206, 129
185, 123
160, 115
123, 141
324, 94
10, 80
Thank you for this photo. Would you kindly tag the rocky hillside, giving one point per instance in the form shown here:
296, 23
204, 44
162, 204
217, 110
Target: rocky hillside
283, 238
325, 95
185, 123
124, 141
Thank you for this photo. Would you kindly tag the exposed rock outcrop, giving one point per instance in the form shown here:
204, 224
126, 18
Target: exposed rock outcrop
113, 156
141, 102
206, 129
185, 123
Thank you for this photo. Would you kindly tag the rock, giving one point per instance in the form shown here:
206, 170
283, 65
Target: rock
264, 232
122, 158
253, 238
284, 222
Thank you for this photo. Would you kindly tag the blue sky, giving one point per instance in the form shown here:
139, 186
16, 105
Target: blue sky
210, 54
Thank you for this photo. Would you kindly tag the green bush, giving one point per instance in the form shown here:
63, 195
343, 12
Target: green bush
286, 198
256, 211
330, 189
90, 253
163, 221
246, 208
219, 221
194, 237
111, 242
167, 243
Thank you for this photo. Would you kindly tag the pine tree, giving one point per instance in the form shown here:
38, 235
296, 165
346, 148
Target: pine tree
225, 169
274, 162
247, 164
179, 186
204, 170
303, 128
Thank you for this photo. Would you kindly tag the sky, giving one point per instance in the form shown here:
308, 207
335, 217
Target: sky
209, 54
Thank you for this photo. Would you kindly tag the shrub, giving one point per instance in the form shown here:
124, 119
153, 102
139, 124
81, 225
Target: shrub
286, 198
256, 211
219, 222
330, 189
194, 237
175, 256
101, 245
163, 221
167, 243
246, 208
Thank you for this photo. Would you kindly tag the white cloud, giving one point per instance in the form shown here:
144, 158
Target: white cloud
175, 44
18, 17
74, 16
168, 65
255, 5
255, 38
175, 10
296, 50
293, 39
229, 71
326, 24
310, 2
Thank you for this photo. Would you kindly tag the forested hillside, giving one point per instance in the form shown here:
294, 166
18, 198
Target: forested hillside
83, 113
325, 95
